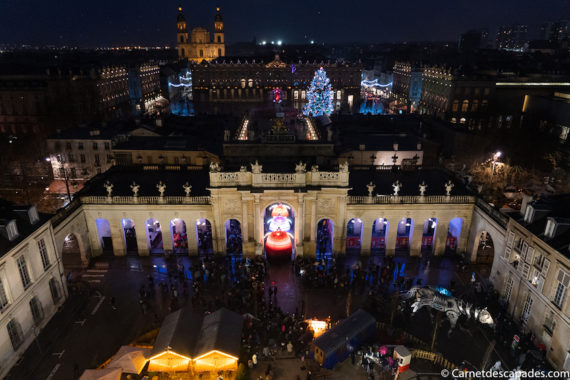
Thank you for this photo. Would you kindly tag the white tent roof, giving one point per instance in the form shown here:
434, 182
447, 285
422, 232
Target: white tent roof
130, 359
102, 374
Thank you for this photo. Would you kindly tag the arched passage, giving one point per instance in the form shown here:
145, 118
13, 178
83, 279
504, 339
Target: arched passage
104, 234
130, 236
279, 229
379, 233
204, 237
71, 253
154, 236
325, 233
179, 236
233, 237
485, 248
453, 235
428, 236
404, 236
354, 236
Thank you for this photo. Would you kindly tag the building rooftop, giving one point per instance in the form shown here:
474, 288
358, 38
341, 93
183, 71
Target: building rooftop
27, 220
556, 207
123, 176
344, 331
191, 334
410, 179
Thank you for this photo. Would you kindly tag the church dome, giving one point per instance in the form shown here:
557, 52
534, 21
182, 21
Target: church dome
200, 35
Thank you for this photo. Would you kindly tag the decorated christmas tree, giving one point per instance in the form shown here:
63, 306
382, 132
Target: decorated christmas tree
319, 95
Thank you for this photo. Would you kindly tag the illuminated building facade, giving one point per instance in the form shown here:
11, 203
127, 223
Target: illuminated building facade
407, 85
532, 275
254, 81
199, 47
32, 281
482, 101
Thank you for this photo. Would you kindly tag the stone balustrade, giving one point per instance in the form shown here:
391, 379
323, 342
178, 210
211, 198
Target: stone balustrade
411, 199
276, 180
129, 200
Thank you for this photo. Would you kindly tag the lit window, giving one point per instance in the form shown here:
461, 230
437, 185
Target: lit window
465, 106
462, 120
455, 106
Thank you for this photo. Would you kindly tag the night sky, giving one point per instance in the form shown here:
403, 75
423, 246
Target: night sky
89, 23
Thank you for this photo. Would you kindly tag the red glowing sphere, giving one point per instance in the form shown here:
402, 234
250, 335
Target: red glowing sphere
278, 244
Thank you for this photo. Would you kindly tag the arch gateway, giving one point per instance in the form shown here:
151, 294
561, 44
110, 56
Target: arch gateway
318, 212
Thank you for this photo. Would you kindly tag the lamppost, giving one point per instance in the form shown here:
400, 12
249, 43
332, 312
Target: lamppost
61, 159
496, 157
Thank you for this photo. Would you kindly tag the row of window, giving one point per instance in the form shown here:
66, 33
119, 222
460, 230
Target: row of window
81, 146
73, 172
524, 258
474, 105
14, 328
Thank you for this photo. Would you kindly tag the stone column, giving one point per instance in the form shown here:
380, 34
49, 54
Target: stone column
340, 228
166, 235
191, 236
244, 221
416, 238
391, 237
464, 237
299, 226
366, 236
140, 230
440, 237
258, 225
118, 237
313, 219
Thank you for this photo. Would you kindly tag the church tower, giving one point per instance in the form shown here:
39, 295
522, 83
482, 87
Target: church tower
181, 33
219, 40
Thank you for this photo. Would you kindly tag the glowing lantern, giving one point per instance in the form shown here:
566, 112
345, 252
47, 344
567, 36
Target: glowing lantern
318, 327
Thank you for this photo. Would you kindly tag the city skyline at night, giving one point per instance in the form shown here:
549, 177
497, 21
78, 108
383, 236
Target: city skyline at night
107, 23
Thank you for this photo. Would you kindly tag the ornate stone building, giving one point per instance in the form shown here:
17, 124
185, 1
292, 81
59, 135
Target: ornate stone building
196, 212
200, 47
234, 81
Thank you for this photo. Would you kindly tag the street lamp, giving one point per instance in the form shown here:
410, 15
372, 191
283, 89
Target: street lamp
496, 157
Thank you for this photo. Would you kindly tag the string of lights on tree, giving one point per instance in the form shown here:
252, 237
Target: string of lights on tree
319, 95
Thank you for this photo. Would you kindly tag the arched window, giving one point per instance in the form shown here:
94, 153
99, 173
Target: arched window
242, 82
219, 52
201, 53
181, 39
475, 106
250, 82
455, 106
219, 40
462, 120
465, 106
183, 53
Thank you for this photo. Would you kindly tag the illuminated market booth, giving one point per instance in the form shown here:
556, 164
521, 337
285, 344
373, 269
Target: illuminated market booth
190, 342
